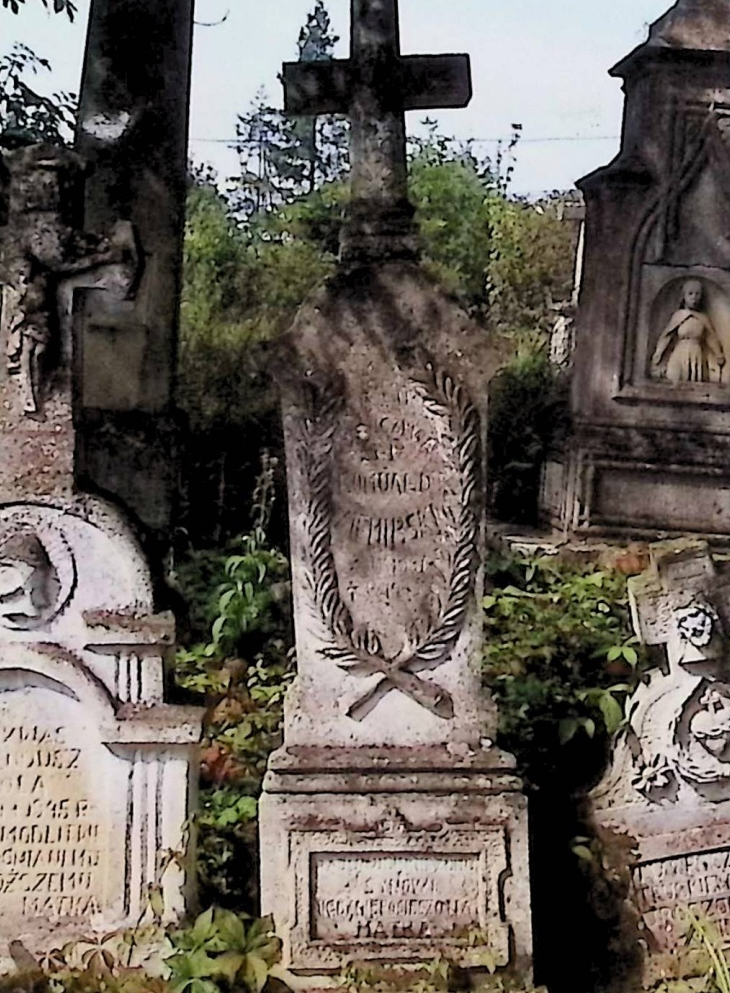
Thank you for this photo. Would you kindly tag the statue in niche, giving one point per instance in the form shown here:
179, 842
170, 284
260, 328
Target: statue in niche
41, 246
688, 342
28, 582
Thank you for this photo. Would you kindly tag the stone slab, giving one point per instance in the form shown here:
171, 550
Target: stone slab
384, 426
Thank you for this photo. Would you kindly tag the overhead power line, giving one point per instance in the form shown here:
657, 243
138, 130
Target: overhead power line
475, 141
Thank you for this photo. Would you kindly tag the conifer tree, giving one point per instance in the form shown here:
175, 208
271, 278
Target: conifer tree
284, 157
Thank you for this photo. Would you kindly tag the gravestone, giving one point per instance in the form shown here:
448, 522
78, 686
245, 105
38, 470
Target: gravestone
651, 387
392, 828
668, 788
97, 772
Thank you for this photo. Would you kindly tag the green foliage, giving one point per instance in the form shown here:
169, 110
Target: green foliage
702, 933
244, 281
283, 157
238, 597
506, 259
699, 964
437, 976
26, 115
452, 192
219, 952
560, 656
531, 261
527, 414
239, 601
223, 951
241, 290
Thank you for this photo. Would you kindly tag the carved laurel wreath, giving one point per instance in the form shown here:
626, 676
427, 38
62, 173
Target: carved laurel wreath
361, 654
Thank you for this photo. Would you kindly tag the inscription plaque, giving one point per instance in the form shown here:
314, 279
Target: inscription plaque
699, 880
54, 837
395, 896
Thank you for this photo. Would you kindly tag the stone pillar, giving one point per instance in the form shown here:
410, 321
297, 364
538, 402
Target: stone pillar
132, 130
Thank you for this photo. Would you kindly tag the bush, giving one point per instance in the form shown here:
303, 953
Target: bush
528, 413
560, 659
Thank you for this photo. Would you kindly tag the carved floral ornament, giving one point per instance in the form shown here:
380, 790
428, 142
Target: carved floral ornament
359, 652
679, 722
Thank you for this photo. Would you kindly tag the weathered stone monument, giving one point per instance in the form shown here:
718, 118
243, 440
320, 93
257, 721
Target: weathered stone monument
97, 772
393, 830
132, 131
668, 788
651, 387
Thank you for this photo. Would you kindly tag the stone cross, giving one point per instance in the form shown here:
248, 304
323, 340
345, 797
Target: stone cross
670, 602
375, 87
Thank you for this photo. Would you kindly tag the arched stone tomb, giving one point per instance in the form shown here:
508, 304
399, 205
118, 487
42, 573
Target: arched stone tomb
96, 771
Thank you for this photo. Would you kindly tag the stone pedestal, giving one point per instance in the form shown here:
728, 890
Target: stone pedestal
392, 828
651, 386
396, 855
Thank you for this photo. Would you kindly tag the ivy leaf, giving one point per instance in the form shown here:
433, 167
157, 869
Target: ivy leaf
630, 655
611, 711
229, 964
583, 853
567, 729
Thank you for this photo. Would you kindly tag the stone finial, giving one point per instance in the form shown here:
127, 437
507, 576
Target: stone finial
690, 26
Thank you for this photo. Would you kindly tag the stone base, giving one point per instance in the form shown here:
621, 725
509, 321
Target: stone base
681, 862
395, 857
585, 491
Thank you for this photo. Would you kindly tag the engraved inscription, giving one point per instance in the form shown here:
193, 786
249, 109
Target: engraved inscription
396, 516
392, 896
392, 477
51, 842
697, 880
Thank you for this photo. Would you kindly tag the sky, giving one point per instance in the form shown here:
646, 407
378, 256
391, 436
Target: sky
539, 63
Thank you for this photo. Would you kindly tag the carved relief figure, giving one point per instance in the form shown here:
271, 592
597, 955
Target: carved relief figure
678, 733
28, 582
40, 247
688, 342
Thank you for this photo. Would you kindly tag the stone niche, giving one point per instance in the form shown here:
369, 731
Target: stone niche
392, 828
651, 386
97, 773
668, 788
